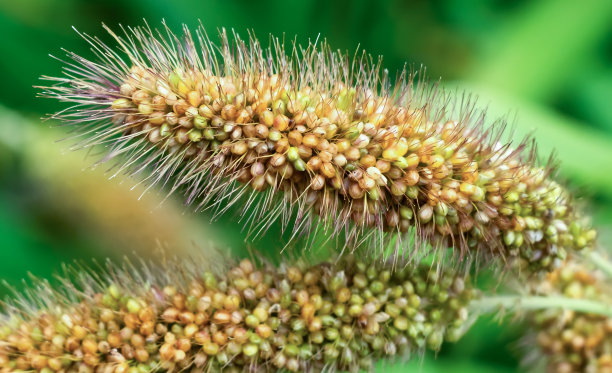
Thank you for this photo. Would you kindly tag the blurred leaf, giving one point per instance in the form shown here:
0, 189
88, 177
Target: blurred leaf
59, 204
590, 98
584, 152
536, 51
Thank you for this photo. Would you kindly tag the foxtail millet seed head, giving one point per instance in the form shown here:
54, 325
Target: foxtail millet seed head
572, 341
318, 137
334, 316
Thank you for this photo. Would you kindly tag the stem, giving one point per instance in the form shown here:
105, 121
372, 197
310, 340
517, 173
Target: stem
542, 302
601, 262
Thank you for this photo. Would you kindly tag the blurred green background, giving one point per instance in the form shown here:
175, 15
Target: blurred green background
547, 65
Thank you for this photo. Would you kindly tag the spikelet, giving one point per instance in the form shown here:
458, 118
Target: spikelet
313, 136
572, 341
343, 315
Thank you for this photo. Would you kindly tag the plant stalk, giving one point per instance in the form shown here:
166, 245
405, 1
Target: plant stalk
542, 302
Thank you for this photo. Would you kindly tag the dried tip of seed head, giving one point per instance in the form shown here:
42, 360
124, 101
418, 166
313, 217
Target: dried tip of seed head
343, 315
572, 341
310, 135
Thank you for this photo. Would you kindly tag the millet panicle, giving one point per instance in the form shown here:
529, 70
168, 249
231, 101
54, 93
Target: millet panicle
320, 138
342, 315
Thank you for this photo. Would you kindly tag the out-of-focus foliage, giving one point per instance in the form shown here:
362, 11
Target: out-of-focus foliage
546, 64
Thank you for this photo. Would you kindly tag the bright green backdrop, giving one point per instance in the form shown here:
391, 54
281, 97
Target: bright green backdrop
546, 64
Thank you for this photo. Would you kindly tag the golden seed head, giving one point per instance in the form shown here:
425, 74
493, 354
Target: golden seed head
355, 152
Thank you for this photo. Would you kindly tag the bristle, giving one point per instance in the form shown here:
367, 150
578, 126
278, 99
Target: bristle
344, 315
317, 134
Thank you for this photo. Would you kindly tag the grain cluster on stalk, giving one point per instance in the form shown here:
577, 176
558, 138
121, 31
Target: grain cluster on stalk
342, 315
573, 341
311, 135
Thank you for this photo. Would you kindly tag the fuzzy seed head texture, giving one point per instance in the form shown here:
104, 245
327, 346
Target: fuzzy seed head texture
572, 341
333, 316
311, 135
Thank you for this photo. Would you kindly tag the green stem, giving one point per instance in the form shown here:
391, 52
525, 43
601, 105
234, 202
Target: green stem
602, 262
541, 302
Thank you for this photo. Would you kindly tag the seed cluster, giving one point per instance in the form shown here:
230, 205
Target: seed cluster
340, 316
575, 341
332, 138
